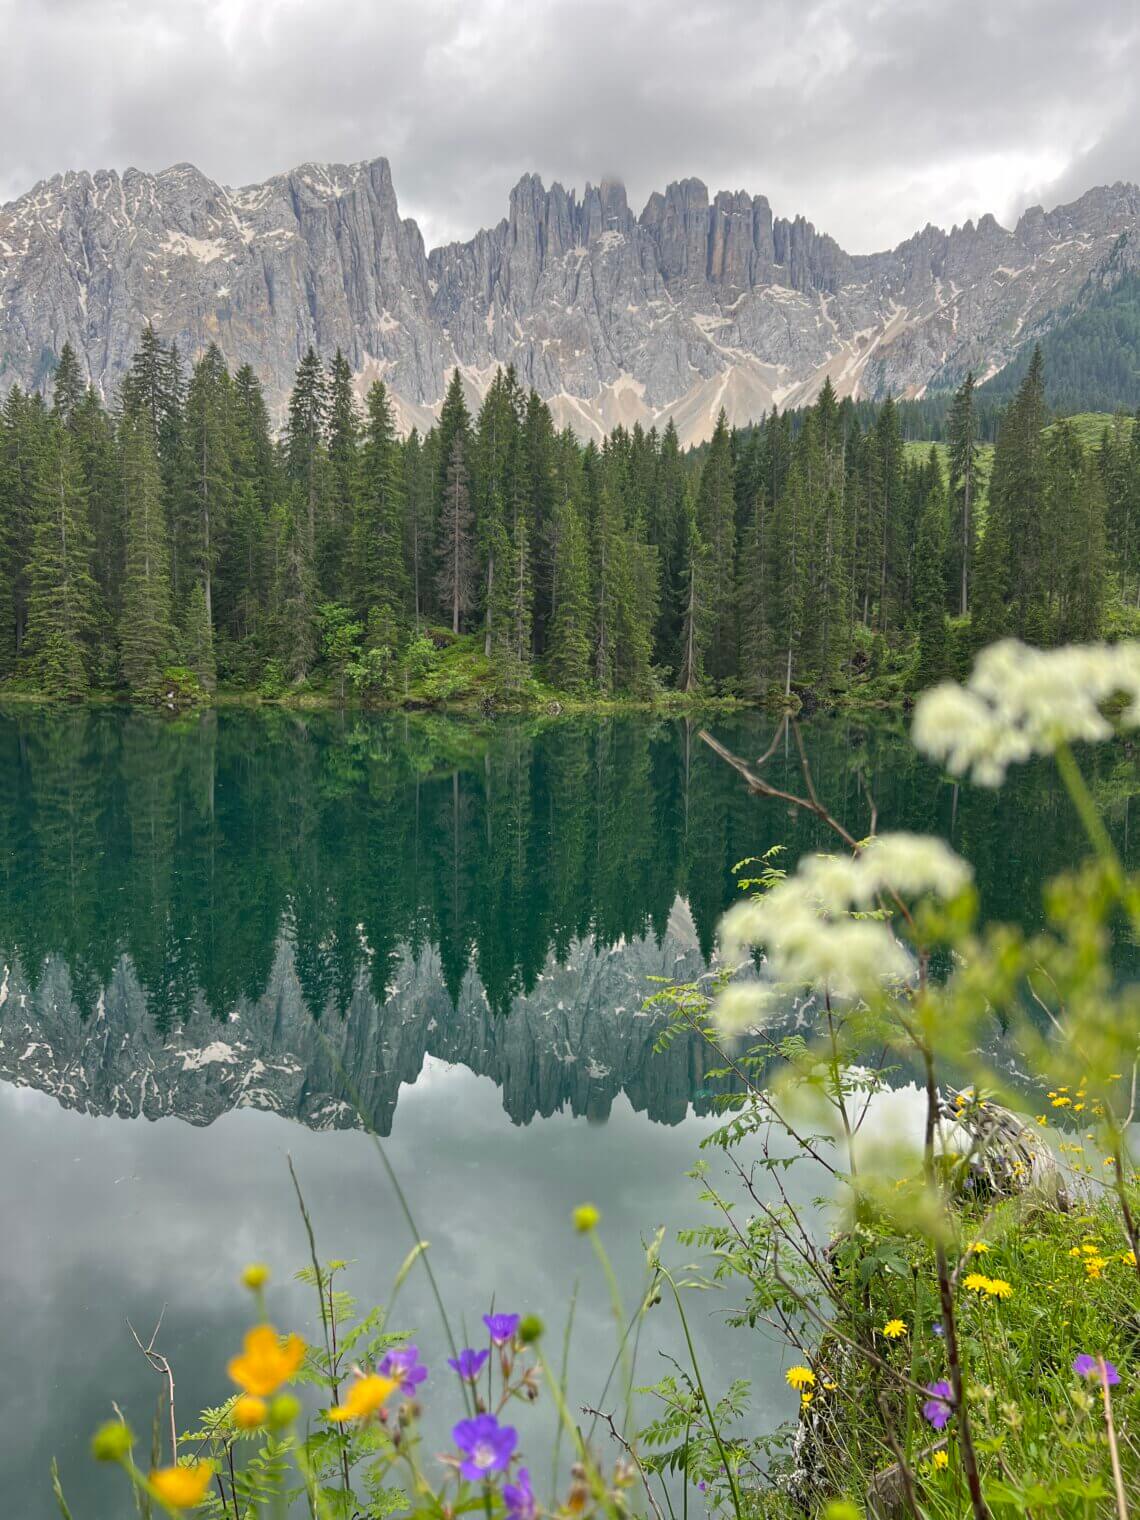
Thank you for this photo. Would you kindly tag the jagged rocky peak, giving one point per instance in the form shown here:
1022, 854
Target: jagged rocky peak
700, 302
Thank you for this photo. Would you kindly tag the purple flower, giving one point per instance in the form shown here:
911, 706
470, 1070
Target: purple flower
937, 1329
468, 1363
1087, 1366
519, 1498
502, 1327
937, 1407
404, 1365
486, 1445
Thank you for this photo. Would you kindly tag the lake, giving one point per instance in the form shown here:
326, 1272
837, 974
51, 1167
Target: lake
224, 935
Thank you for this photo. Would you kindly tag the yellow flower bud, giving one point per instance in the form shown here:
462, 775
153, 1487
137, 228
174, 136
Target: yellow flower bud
255, 1276
283, 1411
111, 1442
586, 1218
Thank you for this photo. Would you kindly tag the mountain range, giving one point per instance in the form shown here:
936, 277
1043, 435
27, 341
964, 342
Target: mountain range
696, 304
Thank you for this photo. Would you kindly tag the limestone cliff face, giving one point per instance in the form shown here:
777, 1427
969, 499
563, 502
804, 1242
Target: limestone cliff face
695, 304
576, 1042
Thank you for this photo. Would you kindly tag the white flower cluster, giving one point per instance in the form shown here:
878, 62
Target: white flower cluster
1021, 702
810, 938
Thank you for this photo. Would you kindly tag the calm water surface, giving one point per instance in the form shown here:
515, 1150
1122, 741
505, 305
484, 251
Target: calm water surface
224, 934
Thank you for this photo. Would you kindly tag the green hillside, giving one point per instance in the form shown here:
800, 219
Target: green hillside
1092, 356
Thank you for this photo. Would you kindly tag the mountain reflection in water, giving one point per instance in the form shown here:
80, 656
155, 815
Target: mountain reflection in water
236, 908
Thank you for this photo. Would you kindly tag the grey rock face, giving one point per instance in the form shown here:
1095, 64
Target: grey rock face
693, 305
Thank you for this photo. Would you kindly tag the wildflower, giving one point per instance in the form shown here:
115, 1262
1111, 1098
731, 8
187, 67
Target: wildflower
255, 1276
977, 1247
502, 1327
1022, 702
1094, 1266
1041, 1119
1062, 1102
1086, 1366
266, 1362
1129, 1258
894, 1328
830, 1387
519, 1498
486, 1445
799, 1378
405, 1366
997, 1287
111, 1442
249, 1412
586, 1218
936, 1410
975, 1281
367, 1396
182, 1487
805, 1399
468, 1363
939, 1460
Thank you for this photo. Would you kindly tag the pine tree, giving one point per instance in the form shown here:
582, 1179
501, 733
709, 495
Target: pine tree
306, 459
68, 387
339, 518
962, 437
145, 627
930, 585
697, 602
60, 589
456, 560
570, 624
716, 524
379, 578
211, 445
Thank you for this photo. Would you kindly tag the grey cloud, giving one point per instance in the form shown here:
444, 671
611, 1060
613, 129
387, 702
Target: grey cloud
870, 118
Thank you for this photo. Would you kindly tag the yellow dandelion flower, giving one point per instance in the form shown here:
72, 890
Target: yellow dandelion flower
830, 1387
1095, 1265
939, 1460
978, 1247
894, 1328
1078, 1108
975, 1282
1129, 1258
805, 1399
1062, 1102
266, 1361
367, 1396
997, 1287
799, 1378
1062, 1089
1041, 1119
250, 1413
182, 1487
1074, 1250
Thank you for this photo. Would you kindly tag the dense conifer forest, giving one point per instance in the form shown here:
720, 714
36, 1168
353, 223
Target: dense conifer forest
172, 542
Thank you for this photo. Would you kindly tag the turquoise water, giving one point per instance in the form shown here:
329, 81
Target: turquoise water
223, 935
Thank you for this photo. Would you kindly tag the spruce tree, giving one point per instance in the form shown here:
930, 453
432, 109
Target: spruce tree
145, 627
570, 624
379, 578
60, 589
962, 439
716, 524
455, 577
930, 585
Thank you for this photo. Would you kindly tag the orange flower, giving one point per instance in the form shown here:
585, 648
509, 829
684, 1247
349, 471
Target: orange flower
367, 1396
250, 1413
182, 1487
266, 1361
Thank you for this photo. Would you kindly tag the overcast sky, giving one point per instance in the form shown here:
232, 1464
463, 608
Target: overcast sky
871, 117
